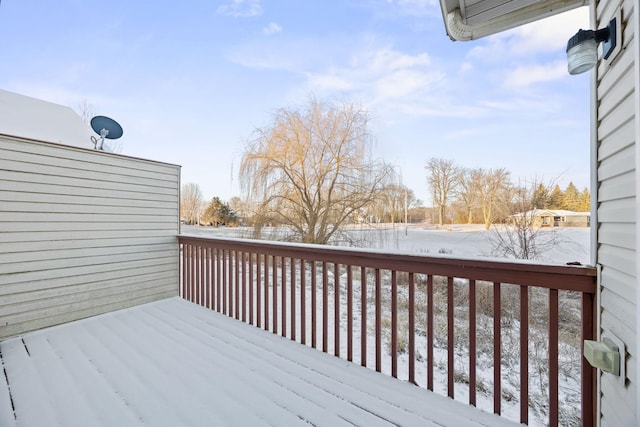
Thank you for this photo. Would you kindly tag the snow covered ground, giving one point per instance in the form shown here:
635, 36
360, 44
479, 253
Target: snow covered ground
468, 241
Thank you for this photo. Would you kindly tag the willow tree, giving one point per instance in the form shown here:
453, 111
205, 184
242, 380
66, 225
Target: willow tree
310, 169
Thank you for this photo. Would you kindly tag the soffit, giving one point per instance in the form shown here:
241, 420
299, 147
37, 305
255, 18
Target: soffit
472, 19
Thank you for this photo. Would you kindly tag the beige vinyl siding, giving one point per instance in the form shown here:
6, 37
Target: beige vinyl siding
82, 232
617, 214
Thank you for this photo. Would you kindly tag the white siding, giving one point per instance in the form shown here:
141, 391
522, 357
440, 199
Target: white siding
82, 232
617, 189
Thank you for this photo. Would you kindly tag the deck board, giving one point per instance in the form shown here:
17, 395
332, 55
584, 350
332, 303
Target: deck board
171, 363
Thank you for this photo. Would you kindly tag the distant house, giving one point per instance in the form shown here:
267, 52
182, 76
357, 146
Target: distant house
555, 218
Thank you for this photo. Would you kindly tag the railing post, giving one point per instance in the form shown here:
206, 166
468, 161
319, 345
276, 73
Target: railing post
553, 358
524, 355
589, 392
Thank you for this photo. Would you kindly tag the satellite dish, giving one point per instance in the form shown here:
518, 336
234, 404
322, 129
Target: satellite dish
106, 128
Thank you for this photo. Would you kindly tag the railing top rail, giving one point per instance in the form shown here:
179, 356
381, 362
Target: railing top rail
563, 277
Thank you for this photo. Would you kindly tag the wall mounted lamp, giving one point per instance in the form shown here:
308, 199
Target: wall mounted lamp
582, 48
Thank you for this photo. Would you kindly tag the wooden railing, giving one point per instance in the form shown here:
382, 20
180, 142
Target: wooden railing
410, 305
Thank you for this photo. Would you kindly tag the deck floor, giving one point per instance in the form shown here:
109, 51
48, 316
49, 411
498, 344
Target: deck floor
173, 363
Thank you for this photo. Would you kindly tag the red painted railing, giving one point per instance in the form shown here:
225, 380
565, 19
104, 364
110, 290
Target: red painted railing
285, 288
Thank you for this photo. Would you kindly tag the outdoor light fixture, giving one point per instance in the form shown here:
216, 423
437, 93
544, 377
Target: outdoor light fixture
582, 48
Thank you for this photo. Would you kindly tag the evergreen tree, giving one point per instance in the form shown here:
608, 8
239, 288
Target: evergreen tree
217, 213
584, 204
555, 198
540, 198
571, 198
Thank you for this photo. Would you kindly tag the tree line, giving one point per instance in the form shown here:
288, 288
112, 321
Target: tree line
479, 195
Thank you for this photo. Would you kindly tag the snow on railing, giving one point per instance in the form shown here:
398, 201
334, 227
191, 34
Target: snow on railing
420, 310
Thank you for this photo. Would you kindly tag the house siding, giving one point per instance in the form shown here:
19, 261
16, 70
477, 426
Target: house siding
82, 232
617, 216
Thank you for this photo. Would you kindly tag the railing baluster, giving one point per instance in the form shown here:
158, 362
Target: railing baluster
219, 279
394, 324
553, 357
363, 316
303, 302
472, 342
225, 282
185, 269
325, 307
283, 288
198, 270
524, 355
201, 284
349, 313
243, 265
236, 261
189, 272
293, 298
266, 292
412, 329
206, 278
274, 296
258, 290
336, 309
497, 350
251, 300
378, 322
314, 305
430, 332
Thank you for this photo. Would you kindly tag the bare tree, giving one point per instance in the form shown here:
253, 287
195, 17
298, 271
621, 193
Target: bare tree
523, 237
469, 191
85, 110
309, 170
190, 202
396, 200
443, 179
493, 185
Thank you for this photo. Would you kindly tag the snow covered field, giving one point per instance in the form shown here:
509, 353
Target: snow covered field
467, 241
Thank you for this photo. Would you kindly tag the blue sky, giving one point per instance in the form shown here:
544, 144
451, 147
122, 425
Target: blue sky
190, 81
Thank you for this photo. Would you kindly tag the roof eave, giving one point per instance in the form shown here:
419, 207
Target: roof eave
458, 29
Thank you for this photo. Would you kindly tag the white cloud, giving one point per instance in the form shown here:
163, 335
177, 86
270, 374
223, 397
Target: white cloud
524, 76
241, 8
387, 78
272, 28
545, 37
548, 34
414, 7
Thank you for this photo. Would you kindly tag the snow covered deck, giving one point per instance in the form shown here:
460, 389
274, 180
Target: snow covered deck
173, 363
